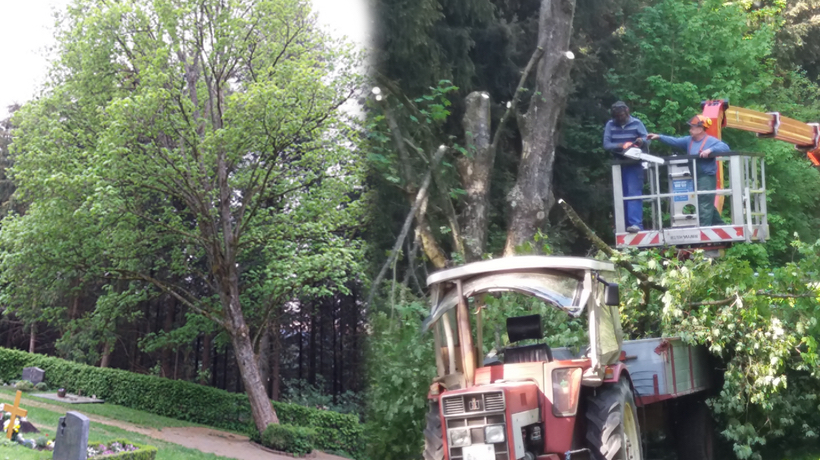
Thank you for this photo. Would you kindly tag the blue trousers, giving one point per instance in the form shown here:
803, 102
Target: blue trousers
632, 178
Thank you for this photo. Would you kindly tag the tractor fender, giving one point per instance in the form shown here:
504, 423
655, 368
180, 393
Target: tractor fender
613, 373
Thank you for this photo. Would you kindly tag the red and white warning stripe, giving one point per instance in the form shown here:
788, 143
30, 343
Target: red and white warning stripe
648, 238
717, 234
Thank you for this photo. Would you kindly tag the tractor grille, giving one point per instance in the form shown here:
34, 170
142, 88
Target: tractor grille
473, 403
476, 425
475, 411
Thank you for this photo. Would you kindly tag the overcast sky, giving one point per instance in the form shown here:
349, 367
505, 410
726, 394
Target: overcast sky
26, 31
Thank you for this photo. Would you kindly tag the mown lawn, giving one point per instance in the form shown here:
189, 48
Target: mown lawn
120, 413
100, 432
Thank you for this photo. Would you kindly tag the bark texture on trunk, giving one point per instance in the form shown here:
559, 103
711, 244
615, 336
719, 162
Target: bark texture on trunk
32, 340
475, 172
261, 407
531, 198
106, 356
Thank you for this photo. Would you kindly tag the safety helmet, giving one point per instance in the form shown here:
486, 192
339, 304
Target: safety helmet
619, 107
701, 121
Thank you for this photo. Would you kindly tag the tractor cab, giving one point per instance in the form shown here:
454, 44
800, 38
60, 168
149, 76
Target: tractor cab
522, 402
672, 202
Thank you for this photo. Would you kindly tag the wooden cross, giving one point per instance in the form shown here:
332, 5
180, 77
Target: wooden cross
15, 411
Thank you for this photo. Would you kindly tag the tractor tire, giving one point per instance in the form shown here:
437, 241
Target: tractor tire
693, 430
433, 435
613, 432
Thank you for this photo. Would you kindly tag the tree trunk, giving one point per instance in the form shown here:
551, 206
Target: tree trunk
531, 198
276, 368
32, 340
263, 358
106, 355
168, 325
311, 378
206, 357
475, 172
261, 407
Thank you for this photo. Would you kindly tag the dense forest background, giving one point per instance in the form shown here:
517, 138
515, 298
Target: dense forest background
103, 269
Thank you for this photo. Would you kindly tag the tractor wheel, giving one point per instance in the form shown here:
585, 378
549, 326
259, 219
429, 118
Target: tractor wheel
612, 423
433, 441
693, 430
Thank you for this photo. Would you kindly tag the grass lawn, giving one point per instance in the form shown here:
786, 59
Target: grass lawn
100, 432
120, 413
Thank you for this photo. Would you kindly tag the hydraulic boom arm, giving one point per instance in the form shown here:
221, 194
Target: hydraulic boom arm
804, 136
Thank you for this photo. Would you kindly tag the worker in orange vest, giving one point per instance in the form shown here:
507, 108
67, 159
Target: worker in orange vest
700, 144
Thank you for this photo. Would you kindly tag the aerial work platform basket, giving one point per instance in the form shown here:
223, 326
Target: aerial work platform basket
672, 202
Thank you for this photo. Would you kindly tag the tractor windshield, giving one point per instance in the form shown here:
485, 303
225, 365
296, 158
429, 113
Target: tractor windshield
558, 288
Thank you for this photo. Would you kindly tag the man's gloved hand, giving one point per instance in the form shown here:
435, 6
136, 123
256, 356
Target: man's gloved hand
627, 146
638, 142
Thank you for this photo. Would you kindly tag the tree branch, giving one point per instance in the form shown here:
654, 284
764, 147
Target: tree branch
421, 196
536, 56
599, 243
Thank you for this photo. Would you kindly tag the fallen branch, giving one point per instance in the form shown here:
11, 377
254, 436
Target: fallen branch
713, 303
600, 244
420, 197
760, 293
784, 296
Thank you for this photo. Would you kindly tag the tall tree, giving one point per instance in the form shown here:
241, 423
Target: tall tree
531, 198
186, 133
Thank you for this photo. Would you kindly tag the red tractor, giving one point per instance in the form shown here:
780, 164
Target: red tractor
545, 404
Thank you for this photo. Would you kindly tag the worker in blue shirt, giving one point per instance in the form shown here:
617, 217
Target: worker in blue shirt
621, 133
701, 144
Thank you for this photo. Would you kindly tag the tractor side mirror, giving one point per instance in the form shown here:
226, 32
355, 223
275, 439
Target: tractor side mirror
612, 294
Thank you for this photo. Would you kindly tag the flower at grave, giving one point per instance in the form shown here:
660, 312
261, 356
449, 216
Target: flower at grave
16, 425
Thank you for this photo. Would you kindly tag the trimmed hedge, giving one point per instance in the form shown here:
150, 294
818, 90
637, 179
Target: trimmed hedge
143, 452
184, 400
297, 440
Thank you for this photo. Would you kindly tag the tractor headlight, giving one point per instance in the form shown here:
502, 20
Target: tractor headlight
460, 437
494, 434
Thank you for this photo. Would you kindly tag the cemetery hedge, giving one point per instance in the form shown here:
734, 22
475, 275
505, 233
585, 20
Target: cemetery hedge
186, 401
143, 452
296, 440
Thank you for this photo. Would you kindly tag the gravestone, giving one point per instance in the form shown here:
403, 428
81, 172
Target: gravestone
33, 374
71, 440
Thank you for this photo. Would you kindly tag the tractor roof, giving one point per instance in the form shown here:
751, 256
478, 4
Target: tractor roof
516, 264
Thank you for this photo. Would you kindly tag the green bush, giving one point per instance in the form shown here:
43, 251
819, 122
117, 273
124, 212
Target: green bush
297, 440
184, 400
42, 386
335, 432
24, 385
143, 452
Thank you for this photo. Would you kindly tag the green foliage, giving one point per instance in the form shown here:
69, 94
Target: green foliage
303, 393
42, 386
294, 439
143, 452
400, 371
335, 432
762, 324
677, 53
24, 385
560, 330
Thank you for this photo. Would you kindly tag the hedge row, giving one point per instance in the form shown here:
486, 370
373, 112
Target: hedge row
183, 400
298, 440
143, 452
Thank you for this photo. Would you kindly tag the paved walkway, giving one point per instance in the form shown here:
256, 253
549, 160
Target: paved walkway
204, 439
